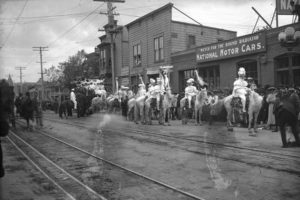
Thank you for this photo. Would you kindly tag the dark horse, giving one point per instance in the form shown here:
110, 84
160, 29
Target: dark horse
66, 108
286, 112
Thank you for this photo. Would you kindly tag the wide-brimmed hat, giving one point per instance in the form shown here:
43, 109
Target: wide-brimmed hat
190, 80
242, 71
124, 87
141, 85
271, 88
152, 80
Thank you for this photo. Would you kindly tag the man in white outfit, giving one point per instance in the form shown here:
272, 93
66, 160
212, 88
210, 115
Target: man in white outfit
240, 87
73, 98
190, 91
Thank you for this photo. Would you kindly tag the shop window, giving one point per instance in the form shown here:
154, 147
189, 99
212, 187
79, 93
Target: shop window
288, 69
211, 75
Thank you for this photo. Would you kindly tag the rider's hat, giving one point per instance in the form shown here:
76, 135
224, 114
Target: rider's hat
242, 71
124, 87
141, 85
272, 88
152, 80
190, 80
73, 89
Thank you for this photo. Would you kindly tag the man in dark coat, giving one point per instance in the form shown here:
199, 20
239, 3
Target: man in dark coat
286, 114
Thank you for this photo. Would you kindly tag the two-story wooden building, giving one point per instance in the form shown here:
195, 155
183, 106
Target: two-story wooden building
153, 37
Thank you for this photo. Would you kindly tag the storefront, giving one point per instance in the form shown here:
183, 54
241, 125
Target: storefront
265, 59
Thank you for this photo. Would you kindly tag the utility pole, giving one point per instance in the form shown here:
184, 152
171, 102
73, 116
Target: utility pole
111, 31
21, 75
41, 49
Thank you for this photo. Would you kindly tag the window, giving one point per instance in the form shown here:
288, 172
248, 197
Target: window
137, 54
191, 41
102, 58
288, 69
159, 49
210, 75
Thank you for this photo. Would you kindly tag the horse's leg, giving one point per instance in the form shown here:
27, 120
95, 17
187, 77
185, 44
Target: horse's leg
200, 115
255, 122
250, 114
229, 124
196, 115
295, 132
283, 136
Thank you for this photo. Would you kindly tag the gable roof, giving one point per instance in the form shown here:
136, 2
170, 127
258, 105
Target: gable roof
167, 6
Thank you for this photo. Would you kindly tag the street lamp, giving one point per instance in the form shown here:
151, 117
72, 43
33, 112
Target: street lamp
289, 38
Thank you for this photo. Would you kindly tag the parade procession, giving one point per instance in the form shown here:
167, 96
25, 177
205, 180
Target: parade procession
138, 100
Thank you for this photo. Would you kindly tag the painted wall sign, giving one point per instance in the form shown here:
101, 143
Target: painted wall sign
283, 7
232, 48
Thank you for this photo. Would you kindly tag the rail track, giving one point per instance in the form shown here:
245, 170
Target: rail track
35, 141
264, 155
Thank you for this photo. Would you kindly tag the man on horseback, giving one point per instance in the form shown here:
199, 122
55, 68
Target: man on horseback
190, 91
151, 94
240, 87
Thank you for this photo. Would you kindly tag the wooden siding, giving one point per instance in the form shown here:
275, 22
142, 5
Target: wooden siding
144, 32
203, 35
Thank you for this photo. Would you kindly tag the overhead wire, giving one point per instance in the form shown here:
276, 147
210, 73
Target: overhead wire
74, 26
12, 29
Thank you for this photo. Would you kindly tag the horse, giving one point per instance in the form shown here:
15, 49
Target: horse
201, 98
65, 108
98, 103
197, 105
113, 103
255, 104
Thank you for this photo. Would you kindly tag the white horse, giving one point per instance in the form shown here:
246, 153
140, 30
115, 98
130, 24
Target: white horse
255, 104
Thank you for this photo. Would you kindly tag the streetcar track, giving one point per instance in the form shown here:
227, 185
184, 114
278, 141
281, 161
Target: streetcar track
236, 159
64, 174
158, 182
185, 139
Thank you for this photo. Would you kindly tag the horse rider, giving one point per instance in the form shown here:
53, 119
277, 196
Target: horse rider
141, 88
159, 91
73, 98
190, 91
151, 94
240, 87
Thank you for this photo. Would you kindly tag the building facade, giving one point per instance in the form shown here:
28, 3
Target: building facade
261, 54
154, 37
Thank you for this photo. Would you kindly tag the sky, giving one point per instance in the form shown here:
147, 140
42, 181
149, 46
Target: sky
67, 26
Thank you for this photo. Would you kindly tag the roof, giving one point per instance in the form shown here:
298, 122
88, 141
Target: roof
191, 24
167, 6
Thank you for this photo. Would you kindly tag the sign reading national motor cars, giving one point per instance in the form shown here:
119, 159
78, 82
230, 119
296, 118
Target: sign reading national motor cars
232, 48
283, 7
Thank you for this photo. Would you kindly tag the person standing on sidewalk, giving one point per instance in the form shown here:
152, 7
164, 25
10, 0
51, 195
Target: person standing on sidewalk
271, 100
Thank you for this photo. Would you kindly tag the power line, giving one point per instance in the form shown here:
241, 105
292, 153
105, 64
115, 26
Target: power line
70, 29
12, 29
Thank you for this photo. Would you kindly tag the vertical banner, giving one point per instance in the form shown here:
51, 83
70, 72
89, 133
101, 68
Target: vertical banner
283, 7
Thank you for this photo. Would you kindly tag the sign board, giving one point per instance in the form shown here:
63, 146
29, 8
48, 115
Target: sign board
283, 7
245, 45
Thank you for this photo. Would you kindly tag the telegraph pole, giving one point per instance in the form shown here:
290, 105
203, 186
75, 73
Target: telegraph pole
21, 75
111, 31
41, 49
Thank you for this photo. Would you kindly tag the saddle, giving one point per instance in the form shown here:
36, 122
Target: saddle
236, 102
192, 102
153, 103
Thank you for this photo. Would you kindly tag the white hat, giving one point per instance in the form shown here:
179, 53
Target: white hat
72, 89
124, 88
141, 85
152, 80
242, 71
190, 80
